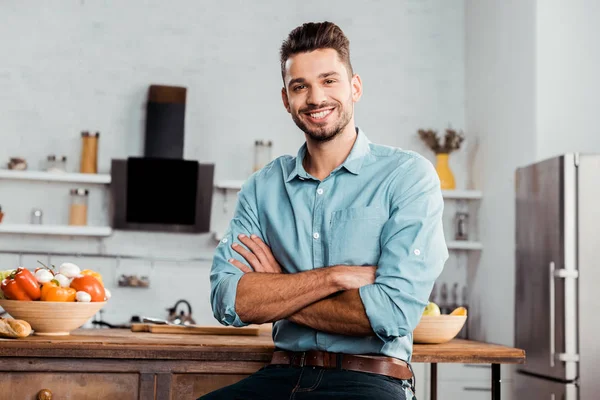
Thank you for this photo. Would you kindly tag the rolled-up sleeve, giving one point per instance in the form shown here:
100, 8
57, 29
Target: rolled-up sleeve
224, 277
413, 252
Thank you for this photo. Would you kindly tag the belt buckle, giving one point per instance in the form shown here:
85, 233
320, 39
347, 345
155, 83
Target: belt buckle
302, 358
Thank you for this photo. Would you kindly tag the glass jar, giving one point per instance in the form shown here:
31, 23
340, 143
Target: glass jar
79, 207
56, 164
89, 152
262, 154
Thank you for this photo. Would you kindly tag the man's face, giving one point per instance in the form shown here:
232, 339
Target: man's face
319, 94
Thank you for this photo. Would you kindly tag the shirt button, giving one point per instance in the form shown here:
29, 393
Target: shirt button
224, 240
417, 252
320, 191
316, 235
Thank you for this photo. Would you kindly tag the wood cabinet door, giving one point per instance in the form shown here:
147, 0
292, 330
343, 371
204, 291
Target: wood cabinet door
69, 385
192, 386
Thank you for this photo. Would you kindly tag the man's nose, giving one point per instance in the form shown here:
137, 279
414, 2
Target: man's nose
316, 96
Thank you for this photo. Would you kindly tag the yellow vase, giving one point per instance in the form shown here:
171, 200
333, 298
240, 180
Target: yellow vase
444, 172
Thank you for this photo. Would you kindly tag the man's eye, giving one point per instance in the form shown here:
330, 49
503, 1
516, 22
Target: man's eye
299, 87
329, 81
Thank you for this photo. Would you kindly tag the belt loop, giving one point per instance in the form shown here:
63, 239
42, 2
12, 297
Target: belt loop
303, 359
339, 360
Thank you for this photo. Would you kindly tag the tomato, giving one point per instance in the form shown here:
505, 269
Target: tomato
90, 285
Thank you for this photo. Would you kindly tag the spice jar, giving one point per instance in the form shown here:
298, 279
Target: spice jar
1, 214
79, 206
56, 164
262, 153
461, 222
89, 152
36, 216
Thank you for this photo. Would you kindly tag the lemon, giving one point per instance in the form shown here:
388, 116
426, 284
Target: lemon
432, 309
459, 311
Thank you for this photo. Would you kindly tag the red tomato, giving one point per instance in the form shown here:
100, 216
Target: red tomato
90, 285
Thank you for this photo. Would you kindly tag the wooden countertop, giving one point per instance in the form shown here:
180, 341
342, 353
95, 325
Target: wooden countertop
124, 344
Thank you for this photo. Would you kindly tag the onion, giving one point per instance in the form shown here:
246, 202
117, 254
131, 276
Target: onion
43, 275
83, 297
69, 270
63, 281
107, 294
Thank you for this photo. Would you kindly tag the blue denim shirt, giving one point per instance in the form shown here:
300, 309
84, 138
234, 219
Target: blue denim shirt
383, 206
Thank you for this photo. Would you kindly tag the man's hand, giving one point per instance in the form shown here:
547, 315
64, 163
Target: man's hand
259, 256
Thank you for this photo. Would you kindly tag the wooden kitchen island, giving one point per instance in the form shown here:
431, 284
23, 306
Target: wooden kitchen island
120, 364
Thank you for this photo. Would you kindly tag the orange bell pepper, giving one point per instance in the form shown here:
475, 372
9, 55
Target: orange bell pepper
51, 291
94, 274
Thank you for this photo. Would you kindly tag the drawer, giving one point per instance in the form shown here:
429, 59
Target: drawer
69, 386
192, 386
465, 372
466, 390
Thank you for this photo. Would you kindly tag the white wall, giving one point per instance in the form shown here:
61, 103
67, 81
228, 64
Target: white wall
500, 93
567, 79
76, 65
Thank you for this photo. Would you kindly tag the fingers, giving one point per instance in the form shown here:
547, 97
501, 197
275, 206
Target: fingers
239, 265
255, 249
265, 249
248, 256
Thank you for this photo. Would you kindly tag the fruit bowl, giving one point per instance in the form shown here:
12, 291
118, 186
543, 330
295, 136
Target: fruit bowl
436, 329
48, 318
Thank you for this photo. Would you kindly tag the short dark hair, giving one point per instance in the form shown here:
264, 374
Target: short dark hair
312, 36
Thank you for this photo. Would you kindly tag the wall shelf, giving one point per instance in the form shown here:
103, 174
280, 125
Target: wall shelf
463, 245
102, 179
462, 194
65, 230
229, 185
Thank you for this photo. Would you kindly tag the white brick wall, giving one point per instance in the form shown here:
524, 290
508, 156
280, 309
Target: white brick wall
86, 65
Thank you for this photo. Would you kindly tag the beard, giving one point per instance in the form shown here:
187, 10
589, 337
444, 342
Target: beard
331, 129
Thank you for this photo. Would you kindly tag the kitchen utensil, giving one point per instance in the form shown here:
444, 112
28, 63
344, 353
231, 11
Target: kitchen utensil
435, 329
48, 318
182, 318
195, 329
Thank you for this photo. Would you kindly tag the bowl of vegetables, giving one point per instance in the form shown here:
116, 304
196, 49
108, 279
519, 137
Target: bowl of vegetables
54, 302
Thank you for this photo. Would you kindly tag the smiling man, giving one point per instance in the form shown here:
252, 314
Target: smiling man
339, 246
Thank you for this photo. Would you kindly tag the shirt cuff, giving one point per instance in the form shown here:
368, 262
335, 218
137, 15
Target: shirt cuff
376, 302
226, 299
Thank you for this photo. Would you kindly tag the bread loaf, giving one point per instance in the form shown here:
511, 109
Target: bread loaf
14, 328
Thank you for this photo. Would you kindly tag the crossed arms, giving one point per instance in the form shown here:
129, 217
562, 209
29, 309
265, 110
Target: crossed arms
387, 300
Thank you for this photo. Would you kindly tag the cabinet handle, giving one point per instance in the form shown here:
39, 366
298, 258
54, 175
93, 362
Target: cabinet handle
552, 313
44, 394
476, 389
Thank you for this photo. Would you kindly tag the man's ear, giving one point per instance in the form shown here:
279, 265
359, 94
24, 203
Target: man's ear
356, 88
284, 98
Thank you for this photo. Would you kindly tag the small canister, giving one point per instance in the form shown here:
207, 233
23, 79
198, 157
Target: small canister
36, 216
461, 226
89, 152
79, 207
56, 164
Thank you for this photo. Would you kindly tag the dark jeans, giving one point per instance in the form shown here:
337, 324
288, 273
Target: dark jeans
282, 382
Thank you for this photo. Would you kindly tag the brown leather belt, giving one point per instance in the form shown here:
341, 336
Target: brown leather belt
373, 364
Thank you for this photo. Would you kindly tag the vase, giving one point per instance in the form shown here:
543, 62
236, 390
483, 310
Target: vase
444, 172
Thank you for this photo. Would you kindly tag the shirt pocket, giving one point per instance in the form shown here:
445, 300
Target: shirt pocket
354, 236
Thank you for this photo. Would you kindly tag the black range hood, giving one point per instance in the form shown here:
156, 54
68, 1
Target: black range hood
162, 191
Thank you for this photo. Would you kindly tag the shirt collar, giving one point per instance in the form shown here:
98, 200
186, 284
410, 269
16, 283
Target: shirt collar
352, 164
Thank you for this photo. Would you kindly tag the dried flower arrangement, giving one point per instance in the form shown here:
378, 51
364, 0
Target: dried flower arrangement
451, 141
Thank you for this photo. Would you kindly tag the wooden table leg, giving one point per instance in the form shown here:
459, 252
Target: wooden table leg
496, 381
433, 382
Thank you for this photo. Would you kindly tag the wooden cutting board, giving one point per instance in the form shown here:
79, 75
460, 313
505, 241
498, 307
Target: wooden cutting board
195, 329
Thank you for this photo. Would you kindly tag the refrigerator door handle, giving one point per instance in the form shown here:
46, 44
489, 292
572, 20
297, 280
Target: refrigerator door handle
552, 314
564, 274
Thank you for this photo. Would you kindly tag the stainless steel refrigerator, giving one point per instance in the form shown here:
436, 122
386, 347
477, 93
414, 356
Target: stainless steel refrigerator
557, 307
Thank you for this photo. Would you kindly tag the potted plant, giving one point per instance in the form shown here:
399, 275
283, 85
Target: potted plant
442, 147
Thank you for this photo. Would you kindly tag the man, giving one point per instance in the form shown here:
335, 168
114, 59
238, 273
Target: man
339, 247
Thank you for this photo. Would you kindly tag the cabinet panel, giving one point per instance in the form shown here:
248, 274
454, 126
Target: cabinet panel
69, 386
192, 386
